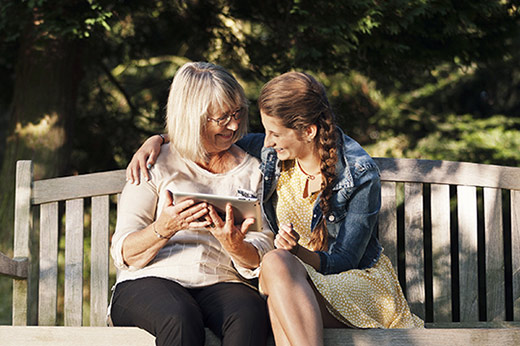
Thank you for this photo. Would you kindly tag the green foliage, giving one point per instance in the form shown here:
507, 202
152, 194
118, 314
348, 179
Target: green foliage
431, 79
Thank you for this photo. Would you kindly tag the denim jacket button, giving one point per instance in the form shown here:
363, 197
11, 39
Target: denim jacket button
331, 217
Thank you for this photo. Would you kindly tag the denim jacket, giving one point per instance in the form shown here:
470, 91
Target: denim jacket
355, 204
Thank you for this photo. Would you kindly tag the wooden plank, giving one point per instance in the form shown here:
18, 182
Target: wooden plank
15, 268
441, 254
388, 221
468, 247
515, 251
80, 186
130, 336
414, 248
495, 266
48, 285
99, 261
449, 172
22, 227
73, 305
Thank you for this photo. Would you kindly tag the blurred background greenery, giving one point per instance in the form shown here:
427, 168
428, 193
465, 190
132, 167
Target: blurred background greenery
84, 82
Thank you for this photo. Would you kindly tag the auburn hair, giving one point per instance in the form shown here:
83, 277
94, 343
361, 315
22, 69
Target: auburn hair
299, 100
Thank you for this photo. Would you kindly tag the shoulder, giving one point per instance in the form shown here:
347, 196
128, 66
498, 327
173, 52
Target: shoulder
252, 143
354, 161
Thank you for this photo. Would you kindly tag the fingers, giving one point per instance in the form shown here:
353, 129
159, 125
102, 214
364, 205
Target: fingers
230, 216
132, 171
215, 217
152, 159
287, 238
246, 224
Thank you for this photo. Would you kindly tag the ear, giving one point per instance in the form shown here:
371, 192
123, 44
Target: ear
310, 132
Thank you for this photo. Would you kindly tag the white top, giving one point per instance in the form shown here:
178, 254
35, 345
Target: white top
194, 257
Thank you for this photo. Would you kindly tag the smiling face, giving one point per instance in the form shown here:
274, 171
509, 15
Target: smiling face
288, 143
218, 138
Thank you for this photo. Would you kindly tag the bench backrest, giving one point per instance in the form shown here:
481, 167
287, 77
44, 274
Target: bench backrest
451, 229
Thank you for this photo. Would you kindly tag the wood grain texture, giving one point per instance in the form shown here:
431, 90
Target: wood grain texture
22, 227
441, 253
388, 221
99, 261
495, 266
449, 172
48, 284
515, 251
414, 249
80, 186
73, 304
130, 336
468, 248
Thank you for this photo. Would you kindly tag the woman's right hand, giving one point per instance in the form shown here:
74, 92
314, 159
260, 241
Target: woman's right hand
144, 159
184, 215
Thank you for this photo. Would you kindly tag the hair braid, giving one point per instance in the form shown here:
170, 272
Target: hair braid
326, 143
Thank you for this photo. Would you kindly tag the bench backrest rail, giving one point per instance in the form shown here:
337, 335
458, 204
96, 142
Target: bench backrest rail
441, 224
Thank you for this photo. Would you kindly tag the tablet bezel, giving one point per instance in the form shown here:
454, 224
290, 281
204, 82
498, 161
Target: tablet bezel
243, 207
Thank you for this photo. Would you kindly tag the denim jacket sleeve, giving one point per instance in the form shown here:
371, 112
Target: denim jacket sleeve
354, 244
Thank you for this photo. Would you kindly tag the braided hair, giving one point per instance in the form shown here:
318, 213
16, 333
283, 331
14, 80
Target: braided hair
299, 100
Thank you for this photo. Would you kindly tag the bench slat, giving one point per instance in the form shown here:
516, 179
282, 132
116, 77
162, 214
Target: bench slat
48, 283
388, 222
75, 187
130, 336
22, 225
99, 261
468, 247
495, 266
441, 254
515, 251
449, 172
73, 305
414, 252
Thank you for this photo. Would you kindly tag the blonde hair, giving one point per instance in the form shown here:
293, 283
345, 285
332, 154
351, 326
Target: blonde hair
299, 100
198, 89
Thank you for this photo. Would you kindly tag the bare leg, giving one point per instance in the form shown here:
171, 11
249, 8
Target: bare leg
280, 339
292, 302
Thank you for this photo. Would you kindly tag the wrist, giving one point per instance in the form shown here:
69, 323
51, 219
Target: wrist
295, 249
159, 235
162, 138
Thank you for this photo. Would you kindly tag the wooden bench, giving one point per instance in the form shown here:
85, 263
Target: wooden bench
451, 229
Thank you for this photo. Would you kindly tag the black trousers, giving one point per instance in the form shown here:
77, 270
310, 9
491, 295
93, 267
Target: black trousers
176, 315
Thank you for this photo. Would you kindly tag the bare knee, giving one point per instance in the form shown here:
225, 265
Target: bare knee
280, 267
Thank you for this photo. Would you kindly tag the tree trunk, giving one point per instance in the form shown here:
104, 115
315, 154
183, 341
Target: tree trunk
48, 74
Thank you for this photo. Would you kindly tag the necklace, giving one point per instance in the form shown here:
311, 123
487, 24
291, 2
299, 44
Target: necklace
306, 188
309, 176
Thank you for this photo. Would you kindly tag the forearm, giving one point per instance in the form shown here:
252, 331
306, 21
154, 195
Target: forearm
307, 256
140, 247
244, 254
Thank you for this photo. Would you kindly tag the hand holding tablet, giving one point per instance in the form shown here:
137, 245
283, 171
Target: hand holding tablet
243, 207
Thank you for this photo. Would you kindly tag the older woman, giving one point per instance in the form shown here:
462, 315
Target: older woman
181, 266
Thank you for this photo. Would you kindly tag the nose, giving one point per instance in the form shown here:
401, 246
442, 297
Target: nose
233, 124
268, 141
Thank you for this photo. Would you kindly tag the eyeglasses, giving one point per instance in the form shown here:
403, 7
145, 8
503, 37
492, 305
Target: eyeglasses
226, 118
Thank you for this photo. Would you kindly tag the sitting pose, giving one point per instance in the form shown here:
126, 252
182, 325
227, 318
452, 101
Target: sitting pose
181, 266
322, 196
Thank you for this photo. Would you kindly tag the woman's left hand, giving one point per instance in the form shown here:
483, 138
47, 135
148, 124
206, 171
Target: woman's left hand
287, 238
226, 232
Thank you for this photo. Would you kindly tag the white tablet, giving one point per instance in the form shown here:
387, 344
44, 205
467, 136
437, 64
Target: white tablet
243, 207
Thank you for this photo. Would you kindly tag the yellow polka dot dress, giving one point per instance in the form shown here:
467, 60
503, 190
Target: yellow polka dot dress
361, 298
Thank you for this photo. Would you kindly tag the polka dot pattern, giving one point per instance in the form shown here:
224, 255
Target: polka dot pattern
361, 298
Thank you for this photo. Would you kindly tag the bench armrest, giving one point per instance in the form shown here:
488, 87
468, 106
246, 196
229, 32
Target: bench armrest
16, 268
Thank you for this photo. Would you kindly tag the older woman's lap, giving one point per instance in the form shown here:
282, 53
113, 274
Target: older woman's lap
177, 316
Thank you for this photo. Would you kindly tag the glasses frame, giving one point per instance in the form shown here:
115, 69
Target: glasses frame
226, 118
